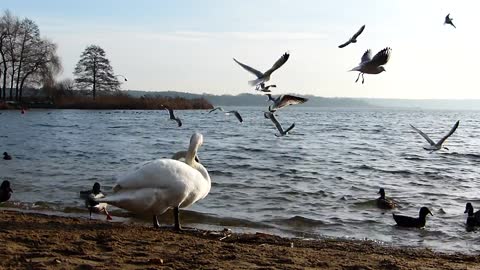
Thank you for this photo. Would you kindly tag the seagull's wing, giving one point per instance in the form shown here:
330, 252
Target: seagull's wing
170, 111
344, 44
179, 122
442, 140
217, 108
250, 69
289, 100
381, 58
278, 64
447, 18
290, 128
355, 36
275, 122
239, 117
367, 56
453, 24
423, 135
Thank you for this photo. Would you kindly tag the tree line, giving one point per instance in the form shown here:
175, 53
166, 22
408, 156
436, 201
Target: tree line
26, 59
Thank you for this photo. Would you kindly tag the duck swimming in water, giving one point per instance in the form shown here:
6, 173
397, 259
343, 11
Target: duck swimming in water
5, 191
91, 196
473, 218
6, 156
419, 222
383, 202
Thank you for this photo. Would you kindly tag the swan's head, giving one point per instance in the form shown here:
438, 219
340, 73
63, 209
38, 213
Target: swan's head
195, 142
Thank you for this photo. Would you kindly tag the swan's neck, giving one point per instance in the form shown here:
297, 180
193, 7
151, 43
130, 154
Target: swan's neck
190, 156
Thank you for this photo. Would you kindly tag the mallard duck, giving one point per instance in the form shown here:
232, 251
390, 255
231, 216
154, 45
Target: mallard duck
383, 202
419, 222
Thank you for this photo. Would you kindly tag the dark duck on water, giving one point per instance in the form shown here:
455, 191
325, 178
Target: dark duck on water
473, 218
383, 202
419, 222
6, 156
5, 191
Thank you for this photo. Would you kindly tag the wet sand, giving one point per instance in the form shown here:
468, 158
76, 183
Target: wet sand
37, 241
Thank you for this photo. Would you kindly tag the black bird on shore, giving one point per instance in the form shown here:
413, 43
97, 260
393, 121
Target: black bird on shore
419, 222
473, 218
5, 191
91, 196
383, 202
6, 156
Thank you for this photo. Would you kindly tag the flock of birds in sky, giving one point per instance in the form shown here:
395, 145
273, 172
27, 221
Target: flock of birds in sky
155, 186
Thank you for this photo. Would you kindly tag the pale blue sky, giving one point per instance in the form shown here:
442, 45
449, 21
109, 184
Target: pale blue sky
188, 45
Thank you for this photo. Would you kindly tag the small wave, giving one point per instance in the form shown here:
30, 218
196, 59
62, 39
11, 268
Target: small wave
297, 222
220, 173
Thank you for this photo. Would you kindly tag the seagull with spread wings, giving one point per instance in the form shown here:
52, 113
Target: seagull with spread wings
172, 116
449, 20
236, 113
271, 116
264, 77
373, 65
217, 108
438, 145
283, 101
353, 39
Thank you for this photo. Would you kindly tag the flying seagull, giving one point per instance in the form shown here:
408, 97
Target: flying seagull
283, 101
236, 113
449, 20
172, 116
239, 117
436, 146
264, 77
271, 116
265, 88
217, 108
353, 39
373, 65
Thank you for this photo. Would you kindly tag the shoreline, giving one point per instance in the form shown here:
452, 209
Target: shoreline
41, 241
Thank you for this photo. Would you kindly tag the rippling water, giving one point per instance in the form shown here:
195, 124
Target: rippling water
318, 181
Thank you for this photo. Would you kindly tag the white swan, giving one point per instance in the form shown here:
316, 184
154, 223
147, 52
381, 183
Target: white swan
156, 186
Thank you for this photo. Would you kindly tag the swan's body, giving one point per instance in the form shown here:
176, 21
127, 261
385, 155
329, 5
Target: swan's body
5, 191
353, 39
438, 145
264, 77
156, 186
284, 101
449, 20
373, 65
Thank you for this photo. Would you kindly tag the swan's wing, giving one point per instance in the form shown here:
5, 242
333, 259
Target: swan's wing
275, 122
344, 44
449, 133
381, 58
355, 36
423, 135
287, 100
282, 60
366, 57
249, 69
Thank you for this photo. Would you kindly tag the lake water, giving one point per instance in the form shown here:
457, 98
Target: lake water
318, 181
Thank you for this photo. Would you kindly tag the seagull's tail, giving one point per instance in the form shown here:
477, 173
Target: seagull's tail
256, 82
355, 69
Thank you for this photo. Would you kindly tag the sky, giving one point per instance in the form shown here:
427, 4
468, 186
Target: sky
188, 45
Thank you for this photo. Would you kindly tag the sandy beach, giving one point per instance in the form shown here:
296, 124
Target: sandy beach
38, 241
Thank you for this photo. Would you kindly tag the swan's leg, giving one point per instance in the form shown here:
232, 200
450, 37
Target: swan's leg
358, 77
156, 225
363, 79
177, 219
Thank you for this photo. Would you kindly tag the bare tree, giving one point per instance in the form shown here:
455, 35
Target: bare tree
93, 71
